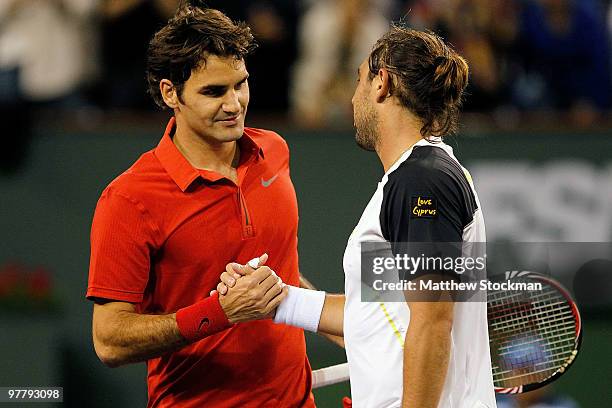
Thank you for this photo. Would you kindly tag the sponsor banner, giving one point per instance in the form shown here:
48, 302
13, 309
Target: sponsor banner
568, 201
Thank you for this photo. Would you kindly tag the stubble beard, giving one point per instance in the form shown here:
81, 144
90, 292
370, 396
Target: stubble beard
366, 127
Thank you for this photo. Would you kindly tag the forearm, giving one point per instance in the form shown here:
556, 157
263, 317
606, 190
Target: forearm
129, 337
122, 336
332, 315
426, 356
331, 323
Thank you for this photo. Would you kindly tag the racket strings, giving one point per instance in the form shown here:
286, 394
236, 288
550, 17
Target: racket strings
532, 335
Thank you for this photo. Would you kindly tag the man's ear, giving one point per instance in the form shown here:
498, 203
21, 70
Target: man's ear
383, 85
169, 93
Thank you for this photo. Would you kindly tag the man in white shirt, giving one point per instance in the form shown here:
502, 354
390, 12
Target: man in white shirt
410, 353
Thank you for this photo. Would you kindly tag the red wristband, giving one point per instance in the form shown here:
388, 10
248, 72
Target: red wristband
202, 319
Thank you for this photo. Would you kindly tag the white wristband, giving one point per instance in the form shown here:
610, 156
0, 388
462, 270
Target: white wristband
301, 308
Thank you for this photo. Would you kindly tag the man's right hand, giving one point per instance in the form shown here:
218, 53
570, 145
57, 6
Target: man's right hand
254, 296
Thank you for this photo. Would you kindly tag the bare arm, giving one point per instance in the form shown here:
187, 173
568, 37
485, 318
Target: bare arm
331, 325
122, 336
332, 316
426, 353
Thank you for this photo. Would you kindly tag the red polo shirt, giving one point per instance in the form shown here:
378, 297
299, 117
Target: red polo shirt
163, 232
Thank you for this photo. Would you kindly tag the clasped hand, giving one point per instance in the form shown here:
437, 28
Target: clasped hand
247, 293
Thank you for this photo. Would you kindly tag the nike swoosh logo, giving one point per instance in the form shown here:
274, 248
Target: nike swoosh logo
266, 183
204, 323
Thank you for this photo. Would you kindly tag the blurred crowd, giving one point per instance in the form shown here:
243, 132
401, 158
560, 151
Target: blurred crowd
524, 55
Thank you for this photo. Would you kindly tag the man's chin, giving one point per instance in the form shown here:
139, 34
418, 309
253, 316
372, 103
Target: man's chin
232, 133
365, 144
239, 131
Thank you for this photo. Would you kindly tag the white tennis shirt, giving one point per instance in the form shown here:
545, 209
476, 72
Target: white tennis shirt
374, 332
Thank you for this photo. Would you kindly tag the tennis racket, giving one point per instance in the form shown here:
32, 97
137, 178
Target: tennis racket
534, 336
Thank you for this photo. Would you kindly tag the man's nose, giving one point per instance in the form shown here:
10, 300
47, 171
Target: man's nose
231, 103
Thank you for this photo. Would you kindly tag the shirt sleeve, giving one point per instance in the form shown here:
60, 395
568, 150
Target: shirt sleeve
423, 215
122, 244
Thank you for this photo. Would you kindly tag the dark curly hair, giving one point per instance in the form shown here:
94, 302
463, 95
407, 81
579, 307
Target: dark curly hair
183, 44
427, 76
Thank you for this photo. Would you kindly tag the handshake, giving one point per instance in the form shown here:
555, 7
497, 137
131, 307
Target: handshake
250, 292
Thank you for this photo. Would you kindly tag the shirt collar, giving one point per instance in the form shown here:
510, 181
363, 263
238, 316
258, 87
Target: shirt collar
182, 172
433, 141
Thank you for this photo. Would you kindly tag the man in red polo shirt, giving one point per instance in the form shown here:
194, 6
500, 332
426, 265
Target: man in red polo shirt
211, 192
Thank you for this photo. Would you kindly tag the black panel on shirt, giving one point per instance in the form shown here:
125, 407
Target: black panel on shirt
427, 199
